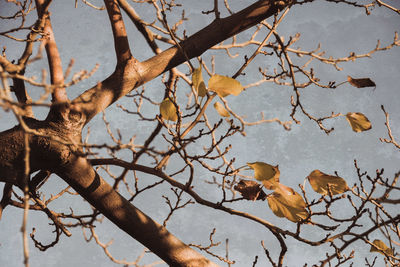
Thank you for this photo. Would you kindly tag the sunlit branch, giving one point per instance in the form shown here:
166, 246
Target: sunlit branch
121, 44
56, 73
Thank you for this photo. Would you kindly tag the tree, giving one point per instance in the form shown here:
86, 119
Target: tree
36, 149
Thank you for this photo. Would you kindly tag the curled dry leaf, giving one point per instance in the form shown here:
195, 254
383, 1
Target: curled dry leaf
266, 173
224, 85
320, 182
198, 82
221, 110
250, 190
383, 249
358, 121
360, 83
168, 110
285, 202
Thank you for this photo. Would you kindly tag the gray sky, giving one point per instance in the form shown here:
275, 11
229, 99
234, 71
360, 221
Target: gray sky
84, 34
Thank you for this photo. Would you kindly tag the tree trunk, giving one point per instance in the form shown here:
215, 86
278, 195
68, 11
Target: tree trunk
54, 142
63, 159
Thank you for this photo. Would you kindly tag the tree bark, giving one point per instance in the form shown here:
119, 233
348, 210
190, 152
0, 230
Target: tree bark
54, 141
131, 74
81, 176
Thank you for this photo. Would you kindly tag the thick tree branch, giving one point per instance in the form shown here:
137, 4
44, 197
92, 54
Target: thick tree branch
218, 31
121, 43
22, 96
134, 74
56, 73
7, 190
81, 176
147, 34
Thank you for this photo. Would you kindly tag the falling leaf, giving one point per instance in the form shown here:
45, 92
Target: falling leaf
266, 173
382, 247
221, 110
358, 121
320, 182
168, 110
198, 82
285, 202
224, 85
250, 190
361, 83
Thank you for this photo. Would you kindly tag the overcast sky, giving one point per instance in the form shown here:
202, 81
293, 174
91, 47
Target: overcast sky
84, 34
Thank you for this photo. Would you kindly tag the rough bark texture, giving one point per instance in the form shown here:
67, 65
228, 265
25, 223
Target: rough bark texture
54, 141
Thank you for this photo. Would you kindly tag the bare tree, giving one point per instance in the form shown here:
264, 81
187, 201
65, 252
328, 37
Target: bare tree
35, 149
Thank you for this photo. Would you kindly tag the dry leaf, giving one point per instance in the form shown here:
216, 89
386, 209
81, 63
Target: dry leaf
361, 83
224, 85
266, 173
168, 110
291, 197
358, 121
285, 202
221, 110
320, 181
382, 247
198, 82
250, 190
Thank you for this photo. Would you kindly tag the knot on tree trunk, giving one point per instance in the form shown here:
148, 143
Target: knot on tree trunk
52, 142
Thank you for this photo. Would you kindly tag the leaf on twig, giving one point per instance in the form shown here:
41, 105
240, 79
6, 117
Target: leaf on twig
198, 82
224, 85
250, 190
361, 83
320, 182
358, 121
221, 110
382, 248
285, 202
168, 110
266, 173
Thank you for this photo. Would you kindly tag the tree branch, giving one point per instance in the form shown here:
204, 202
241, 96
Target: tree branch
211, 35
56, 73
81, 176
121, 43
7, 190
147, 34
133, 74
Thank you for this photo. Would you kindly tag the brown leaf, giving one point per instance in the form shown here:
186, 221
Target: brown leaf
321, 181
250, 190
221, 109
358, 122
285, 202
361, 83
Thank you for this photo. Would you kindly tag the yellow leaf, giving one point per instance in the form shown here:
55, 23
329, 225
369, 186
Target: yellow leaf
224, 85
266, 173
168, 110
358, 121
221, 110
382, 247
198, 82
292, 198
285, 202
320, 181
